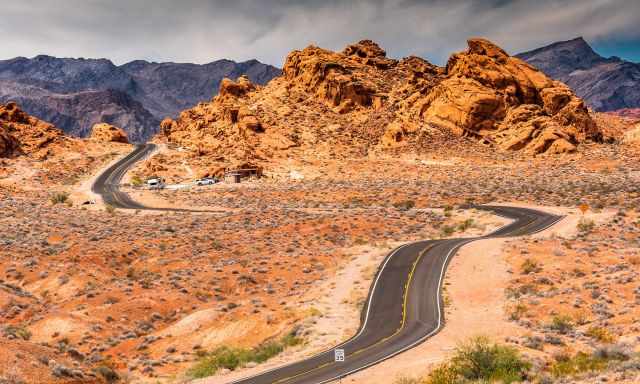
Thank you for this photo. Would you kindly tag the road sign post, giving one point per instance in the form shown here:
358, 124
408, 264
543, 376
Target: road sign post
339, 355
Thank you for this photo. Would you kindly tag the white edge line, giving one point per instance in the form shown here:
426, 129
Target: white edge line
437, 329
362, 327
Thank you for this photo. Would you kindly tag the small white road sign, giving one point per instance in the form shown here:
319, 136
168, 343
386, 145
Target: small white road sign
339, 355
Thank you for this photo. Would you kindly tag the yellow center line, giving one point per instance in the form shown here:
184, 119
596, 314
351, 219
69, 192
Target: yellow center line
402, 324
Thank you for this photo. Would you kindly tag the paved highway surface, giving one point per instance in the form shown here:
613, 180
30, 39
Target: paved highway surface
404, 307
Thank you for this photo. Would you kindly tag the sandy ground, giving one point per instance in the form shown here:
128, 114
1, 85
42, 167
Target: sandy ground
474, 287
339, 300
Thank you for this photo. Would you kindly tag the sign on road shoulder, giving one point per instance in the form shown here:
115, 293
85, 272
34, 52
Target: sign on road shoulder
339, 354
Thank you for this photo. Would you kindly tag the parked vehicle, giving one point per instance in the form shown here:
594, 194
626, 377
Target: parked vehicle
155, 183
206, 181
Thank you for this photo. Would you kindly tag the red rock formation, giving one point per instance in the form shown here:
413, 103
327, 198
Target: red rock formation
493, 95
21, 133
108, 133
358, 100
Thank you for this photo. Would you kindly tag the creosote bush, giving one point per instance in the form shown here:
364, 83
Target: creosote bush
59, 198
136, 181
585, 226
483, 361
404, 205
598, 360
561, 324
530, 266
232, 358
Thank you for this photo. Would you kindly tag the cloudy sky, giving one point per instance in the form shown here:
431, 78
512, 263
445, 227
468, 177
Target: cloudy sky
206, 30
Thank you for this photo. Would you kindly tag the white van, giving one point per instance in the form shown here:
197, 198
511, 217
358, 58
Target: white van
155, 183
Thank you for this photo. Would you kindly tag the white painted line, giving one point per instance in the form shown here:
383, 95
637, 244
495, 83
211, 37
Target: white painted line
422, 339
362, 327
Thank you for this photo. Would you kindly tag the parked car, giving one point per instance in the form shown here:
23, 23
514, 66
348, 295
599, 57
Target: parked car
206, 181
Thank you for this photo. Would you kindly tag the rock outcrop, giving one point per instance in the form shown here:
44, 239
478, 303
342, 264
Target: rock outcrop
21, 133
506, 101
339, 104
606, 84
108, 133
75, 94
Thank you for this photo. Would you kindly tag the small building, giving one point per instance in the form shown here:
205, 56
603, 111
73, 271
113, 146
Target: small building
237, 174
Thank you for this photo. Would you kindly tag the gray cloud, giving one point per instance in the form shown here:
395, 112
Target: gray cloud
202, 31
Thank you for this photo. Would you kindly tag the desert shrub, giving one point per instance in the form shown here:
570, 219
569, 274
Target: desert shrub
530, 266
136, 181
232, 358
519, 291
217, 245
601, 334
448, 230
465, 225
107, 373
561, 324
620, 352
110, 209
517, 311
444, 374
360, 241
480, 360
585, 226
15, 331
404, 205
59, 198
566, 365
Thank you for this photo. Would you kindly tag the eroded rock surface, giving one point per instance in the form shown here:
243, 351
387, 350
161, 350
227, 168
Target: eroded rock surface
340, 104
108, 133
21, 133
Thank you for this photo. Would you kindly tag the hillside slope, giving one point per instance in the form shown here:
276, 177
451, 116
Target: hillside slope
77, 93
606, 84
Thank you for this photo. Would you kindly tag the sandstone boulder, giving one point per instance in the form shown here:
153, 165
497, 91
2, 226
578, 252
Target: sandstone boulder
108, 133
241, 87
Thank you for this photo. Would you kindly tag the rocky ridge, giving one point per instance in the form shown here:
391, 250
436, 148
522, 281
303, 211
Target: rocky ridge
21, 133
358, 101
606, 84
74, 94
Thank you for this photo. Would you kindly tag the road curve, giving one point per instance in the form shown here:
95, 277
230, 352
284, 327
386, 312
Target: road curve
107, 184
404, 306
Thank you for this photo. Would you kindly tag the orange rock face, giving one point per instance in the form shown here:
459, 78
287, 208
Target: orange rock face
21, 133
501, 98
108, 133
357, 101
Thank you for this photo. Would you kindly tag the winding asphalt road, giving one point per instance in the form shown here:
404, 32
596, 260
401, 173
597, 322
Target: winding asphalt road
404, 307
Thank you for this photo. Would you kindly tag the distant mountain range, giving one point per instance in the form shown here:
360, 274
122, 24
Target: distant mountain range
606, 84
74, 94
